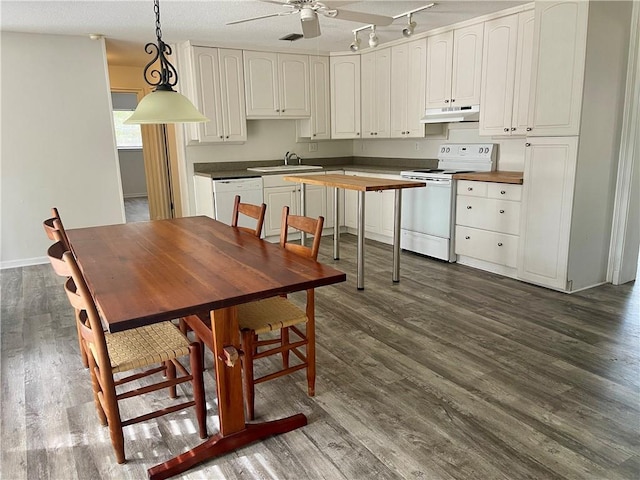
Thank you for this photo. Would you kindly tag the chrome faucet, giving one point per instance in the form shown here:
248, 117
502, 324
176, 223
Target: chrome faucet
291, 156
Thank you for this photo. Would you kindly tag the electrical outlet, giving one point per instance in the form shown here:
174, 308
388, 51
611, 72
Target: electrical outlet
417, 145
313, 147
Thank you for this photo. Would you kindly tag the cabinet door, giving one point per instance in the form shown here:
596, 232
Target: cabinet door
467, 65
399, 91
439, 66
261, 84
549, 176
232, 95
416, 87
207, 78
275, 198
293, 72
522, 82
368, 94
345, 96
558, 68
498, 74
387, 212
320, 102
375, 93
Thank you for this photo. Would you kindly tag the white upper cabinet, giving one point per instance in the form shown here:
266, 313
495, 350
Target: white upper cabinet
506, 74
454, 66
217, 91
320, 98
276, 85
408, 84
345, 96
375, 88
559, 52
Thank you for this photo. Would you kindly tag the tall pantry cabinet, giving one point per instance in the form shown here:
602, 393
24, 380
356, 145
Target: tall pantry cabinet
571, 150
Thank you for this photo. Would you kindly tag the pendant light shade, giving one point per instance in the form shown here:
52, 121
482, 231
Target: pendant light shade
164, 106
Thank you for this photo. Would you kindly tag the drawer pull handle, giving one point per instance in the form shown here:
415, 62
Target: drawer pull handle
468, 207
502, 192
501, 211
470, 189
467, 237
499, 244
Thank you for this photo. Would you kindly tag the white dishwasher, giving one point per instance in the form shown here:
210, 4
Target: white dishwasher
224, 192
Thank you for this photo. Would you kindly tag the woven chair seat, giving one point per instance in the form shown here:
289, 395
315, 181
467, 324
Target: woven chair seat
270, 314
144, 346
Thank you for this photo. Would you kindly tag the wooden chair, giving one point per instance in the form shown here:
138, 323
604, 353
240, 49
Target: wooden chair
56, 232
278, 314
139, 348
254, 211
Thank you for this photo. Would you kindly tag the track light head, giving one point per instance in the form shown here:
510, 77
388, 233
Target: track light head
373, 38
355, 45
408, 30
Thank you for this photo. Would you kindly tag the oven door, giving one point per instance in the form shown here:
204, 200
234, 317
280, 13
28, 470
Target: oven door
428, 210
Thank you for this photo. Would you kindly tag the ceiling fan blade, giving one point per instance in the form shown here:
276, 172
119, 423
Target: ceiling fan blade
311, 29
361, 17
279, 14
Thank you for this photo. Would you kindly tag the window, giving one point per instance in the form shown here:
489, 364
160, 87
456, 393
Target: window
127, 136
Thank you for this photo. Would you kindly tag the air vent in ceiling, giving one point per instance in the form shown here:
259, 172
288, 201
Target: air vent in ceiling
292, 37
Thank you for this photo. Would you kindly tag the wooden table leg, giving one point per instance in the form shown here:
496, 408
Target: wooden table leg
234, 433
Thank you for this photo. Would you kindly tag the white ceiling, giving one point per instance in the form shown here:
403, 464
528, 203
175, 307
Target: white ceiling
129, 24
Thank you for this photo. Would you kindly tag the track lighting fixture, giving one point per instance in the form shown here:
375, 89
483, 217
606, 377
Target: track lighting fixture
373, 38
355, 46
408, 30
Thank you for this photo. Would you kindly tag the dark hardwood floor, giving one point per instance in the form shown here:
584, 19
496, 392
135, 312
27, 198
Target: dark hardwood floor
453, 373
136, 209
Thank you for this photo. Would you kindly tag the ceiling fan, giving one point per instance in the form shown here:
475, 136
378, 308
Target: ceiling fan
309, 10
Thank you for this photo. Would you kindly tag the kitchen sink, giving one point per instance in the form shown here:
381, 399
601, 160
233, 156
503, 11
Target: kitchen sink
284, 168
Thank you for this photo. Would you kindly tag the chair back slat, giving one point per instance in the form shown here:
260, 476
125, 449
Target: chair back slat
312, 226
55, 253
54, 229
256, 212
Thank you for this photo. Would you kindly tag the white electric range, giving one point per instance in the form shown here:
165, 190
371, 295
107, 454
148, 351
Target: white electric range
428, 213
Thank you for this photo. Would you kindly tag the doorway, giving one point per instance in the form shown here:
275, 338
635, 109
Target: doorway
131, 158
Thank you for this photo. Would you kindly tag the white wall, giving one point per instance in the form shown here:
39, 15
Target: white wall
58, 145
134, 181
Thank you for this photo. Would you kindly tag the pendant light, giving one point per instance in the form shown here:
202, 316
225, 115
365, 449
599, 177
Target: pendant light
163, 105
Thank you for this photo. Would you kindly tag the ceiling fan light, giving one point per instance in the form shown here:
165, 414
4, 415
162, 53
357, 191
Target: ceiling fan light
307, 14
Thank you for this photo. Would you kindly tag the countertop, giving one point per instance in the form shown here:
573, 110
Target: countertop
391, 166
498, 177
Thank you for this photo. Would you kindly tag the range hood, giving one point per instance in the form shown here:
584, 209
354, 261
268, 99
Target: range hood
451, 114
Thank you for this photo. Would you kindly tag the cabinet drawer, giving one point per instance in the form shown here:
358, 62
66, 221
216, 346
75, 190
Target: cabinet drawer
491, 247
504, 191
489, 214
473, 212
475, 189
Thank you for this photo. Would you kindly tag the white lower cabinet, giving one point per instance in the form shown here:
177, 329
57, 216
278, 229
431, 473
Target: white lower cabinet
378, 212
488, 225
550, 173
279, 193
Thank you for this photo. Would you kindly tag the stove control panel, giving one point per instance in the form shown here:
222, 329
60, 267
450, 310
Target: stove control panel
460, 151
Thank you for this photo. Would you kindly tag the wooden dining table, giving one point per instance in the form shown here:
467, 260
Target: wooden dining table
148, 272
362, 185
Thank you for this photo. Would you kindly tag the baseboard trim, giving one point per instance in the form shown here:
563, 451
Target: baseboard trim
24, 262
135, 195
